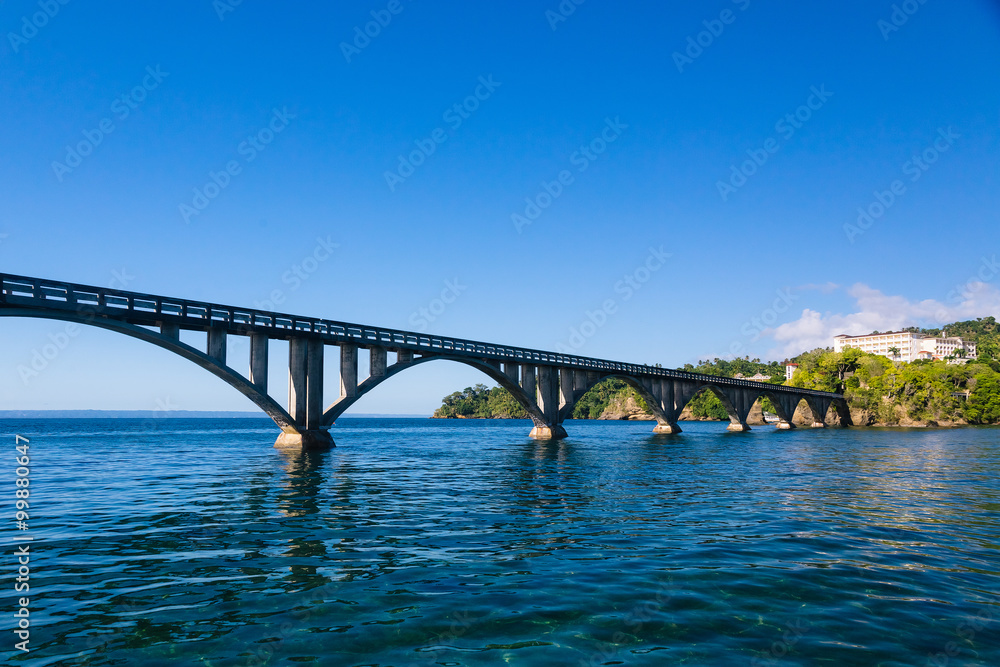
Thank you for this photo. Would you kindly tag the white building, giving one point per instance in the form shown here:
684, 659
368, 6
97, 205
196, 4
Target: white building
911, 346
790, 369
759, 377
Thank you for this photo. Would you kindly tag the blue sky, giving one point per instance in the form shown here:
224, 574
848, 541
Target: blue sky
643, 125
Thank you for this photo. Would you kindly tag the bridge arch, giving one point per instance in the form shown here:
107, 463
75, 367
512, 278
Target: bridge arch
592, 380
212, 365
339, 406
737, 402
818, 407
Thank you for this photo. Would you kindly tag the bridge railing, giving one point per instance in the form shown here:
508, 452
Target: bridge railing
149, 308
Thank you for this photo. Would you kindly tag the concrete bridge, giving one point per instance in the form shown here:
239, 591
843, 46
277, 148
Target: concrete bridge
548, 385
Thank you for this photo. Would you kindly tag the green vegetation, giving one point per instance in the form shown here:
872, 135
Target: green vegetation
879, 390
592, 404
746, 367
497, 403
481, 402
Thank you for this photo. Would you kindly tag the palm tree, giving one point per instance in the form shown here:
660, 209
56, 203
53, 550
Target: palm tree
894, 351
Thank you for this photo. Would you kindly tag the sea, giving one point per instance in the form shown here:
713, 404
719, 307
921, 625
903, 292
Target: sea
463, 542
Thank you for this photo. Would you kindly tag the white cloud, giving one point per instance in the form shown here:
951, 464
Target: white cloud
881, 312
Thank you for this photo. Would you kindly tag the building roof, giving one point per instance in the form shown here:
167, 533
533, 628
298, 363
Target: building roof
881, 333
915, 335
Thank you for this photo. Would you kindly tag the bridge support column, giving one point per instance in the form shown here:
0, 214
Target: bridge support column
785, 404
171, 330
741, 401
314, 385
579, 386
548, 404
668, 395
567, 393
258, 361
819, 407
217, 344
305, 396
348, 370
528, 380
378, 361
566, 387
298, 360
510, 370
843, 413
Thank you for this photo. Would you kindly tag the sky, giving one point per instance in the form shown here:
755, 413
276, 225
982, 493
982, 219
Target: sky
695, 179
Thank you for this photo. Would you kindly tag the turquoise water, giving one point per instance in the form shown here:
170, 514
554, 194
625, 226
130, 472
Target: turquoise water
424, 542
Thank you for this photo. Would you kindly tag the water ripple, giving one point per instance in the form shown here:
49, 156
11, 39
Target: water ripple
419, 542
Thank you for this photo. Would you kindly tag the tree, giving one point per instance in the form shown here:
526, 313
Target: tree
894, 351
983, 406
598, 397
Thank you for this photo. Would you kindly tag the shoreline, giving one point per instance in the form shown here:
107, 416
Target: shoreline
929, 425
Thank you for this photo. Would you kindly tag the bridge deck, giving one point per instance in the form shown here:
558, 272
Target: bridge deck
153, 310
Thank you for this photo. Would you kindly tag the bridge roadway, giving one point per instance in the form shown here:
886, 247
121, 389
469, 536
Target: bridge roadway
547, 384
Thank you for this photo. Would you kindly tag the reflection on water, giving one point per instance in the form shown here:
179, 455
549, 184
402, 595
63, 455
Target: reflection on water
417, 542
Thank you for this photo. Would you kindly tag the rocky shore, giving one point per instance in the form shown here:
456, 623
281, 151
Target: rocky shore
628, 408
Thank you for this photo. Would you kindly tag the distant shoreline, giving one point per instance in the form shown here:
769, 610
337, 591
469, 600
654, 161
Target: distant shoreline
168, 414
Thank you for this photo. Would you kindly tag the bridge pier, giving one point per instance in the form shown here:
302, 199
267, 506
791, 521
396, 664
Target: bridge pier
738, 402
843, 412
818, 407
785, 405
548, 398
550, 432
320, 439
659, 397
305, 395
674, 395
